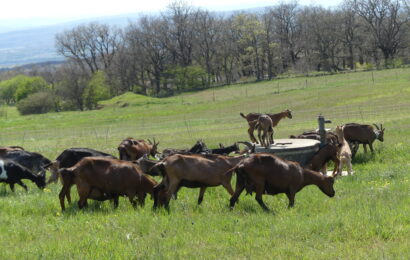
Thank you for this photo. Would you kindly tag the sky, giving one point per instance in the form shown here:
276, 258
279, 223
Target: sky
55, 9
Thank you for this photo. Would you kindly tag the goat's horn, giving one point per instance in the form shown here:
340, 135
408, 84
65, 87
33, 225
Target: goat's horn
149, 141
376, 126
248, 144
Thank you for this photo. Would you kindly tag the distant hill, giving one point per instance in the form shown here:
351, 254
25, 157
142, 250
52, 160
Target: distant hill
36, 44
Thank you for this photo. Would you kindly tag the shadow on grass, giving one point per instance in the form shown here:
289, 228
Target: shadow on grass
94, 206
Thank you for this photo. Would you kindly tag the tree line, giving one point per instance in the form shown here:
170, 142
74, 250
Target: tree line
186, 48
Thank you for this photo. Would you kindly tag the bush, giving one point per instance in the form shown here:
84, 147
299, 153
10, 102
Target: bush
37, 103
187, 78
97, 89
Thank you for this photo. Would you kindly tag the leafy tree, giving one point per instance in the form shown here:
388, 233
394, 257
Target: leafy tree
97, 89
19, 87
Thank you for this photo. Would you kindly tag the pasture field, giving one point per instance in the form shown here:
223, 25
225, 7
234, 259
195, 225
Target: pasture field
368, 218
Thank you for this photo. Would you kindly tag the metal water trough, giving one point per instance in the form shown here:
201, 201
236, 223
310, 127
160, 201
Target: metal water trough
299, 150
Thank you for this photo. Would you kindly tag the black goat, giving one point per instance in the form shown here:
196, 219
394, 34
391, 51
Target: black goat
226, 150
12, 173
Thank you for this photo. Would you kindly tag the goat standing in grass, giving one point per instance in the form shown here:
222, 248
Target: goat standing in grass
345, 154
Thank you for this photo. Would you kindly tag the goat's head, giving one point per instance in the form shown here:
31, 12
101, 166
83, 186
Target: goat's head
288, 113
41, 180
327, 187
379, 132
154, 147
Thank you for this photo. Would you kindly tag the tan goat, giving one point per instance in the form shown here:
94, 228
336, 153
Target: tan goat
345, 154
264, 124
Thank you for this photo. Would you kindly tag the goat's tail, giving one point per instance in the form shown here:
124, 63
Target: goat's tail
242, 115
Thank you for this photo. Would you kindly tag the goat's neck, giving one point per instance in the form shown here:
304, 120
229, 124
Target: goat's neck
28, 175
311, 177
235, 160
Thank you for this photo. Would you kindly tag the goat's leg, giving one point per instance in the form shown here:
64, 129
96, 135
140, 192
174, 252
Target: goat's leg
19, 182
116, 200
364, 148
259, 191
173, 186
340, 169
141, 198
291, 196
83, 192
371, 147
251, 129
201, 195
240, 186
349, 166
68, 193
62, 195
336, 163
11, 186
259, 137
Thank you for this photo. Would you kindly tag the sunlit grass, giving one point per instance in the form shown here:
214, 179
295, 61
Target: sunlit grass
368, 217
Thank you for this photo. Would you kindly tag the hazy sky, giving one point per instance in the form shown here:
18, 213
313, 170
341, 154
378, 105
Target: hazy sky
27, 9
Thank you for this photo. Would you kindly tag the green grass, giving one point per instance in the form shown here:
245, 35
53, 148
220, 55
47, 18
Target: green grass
368, 217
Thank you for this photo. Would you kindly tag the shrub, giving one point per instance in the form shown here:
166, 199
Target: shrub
37, 103
97, 89
187, 78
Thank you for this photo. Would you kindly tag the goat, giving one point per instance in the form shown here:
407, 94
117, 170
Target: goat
66, 159
198, 148
267, 173
12, 173
225, 150
194, 171
363, 134
345, 154
105, 178
131, 149
327, 153
264, 124
252, 120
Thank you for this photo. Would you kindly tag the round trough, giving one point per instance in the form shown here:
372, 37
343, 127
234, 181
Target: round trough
299, 150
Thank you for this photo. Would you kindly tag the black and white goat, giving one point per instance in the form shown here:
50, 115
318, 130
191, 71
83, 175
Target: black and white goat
12, 173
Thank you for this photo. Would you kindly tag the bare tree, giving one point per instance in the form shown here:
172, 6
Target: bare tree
91, 46
386, 19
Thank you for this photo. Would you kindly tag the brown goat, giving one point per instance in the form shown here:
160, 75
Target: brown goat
327, 153
253, 117
131, 149
264, 124
267, 173
195, 171
363, 134
104, 178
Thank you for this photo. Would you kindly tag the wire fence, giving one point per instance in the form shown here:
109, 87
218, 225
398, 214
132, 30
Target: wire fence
185, 131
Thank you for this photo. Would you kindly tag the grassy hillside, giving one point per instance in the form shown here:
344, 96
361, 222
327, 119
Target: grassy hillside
368, 217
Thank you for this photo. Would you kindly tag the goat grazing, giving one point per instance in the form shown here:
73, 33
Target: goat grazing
327, 153
345, 154
267, 173
12, 173
104, 178
131, 149
253, 117
363, 134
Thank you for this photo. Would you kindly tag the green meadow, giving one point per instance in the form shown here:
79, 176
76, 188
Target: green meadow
368, 218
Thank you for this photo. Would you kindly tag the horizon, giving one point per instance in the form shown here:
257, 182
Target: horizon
35, 15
